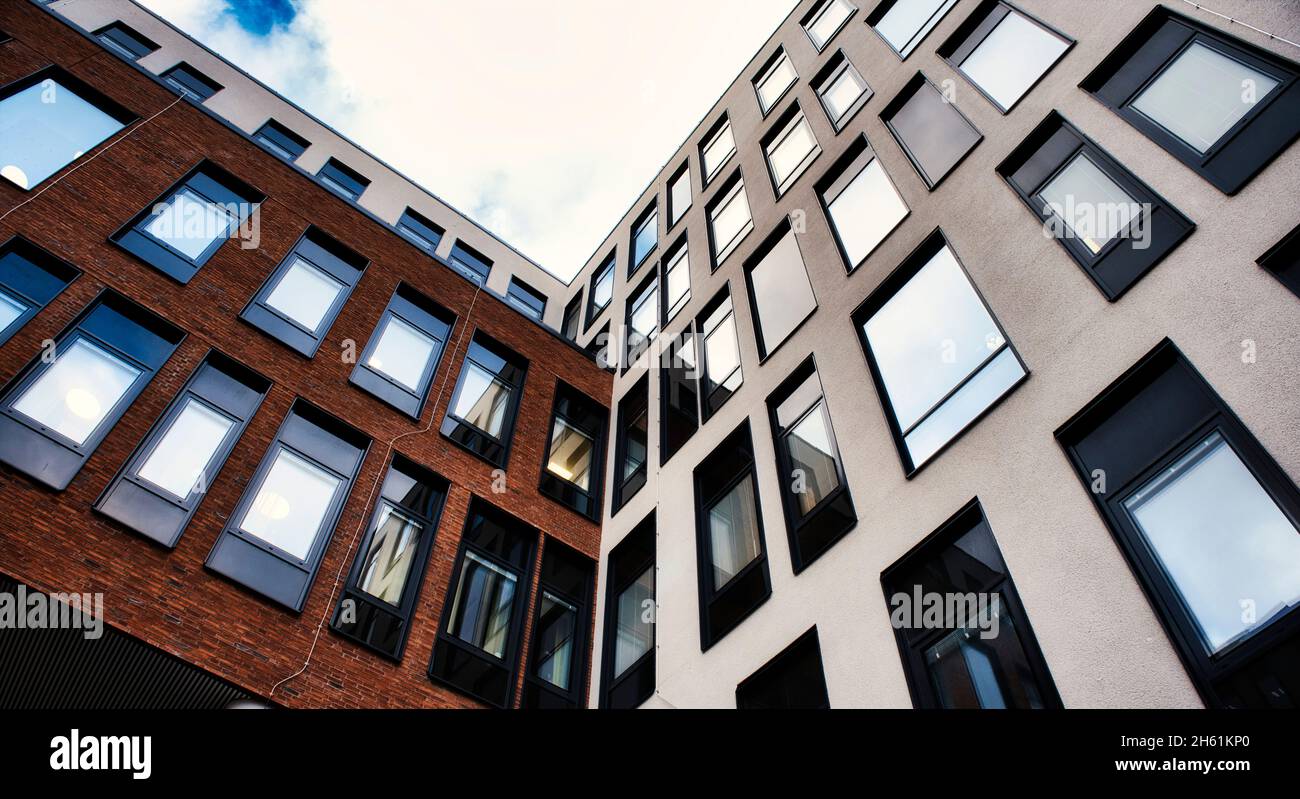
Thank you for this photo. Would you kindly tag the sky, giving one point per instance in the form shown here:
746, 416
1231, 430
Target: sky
541, 121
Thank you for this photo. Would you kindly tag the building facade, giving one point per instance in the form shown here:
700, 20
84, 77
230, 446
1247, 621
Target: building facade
972, 299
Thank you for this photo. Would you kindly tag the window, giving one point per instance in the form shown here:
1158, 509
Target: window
721, 374
1114, 226
729, 219
188, 224
676, 279
633, 442
274, 540
825, 20
718, 148
481, 417
125, 41
645, 236
342, 179
190, 82
933, 133
399, 361
378, 601
470, 263
1282, 261
779, 291
30, 279
599, 348
39, 138
299, 302
1223, 107
841, 90
529, 301
904, 23
1004, 51
790, 148
679, 194
793, 680
679, 396
775, 79
159, 489
861, 203
939, 359
628, 662
55, 413
557, 667
602, 289
733, 573
280, 140
419, 230
477, 650
815, 494
982, 652
642, 323
574, 465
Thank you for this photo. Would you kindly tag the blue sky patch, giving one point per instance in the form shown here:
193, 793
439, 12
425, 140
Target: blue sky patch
260, 16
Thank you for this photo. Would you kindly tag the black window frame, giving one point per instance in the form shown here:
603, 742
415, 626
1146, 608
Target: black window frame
642, 221
413, 308
280, 140
513, 372
835, 66
463, 260
905, 95
602, 352
590, 418
773, 673
420, 230
765, 72
755, 259
518, 293
679, 397
1248, 146
816, 11
125, 40
636, 298
342, 179
856, 158
571, 323
727, 192
606, 271
676, 214
183, 77
569, 576
32, 277
678, 249
1282, 261
935, 19
218, 383
709, 406
714, 131
626, 562
633, 404
1052, 147
780, 130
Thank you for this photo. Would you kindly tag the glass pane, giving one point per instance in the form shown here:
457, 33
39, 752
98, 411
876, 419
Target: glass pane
733, 532
391, 556
783, 297
305, 294
571, 451
646, 237
291, 504
10, 310
634, 447
969, 671
636, 621
787, 155
909, 20
722, 351
1093, 207
843, 92
718, 150
866, 211
1223, 541
680, 195
482, 401
480, 614
776, 81
812, 460
644, 321
556, 624
1202, 94
995, 379
188, 223
403, 353
935, 133
45, 127
178, 462
78, 391
730, 219
603, 291
1015, 54
678, 282
828, 21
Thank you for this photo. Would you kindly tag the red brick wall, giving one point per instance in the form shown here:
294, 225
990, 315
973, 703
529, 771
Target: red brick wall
54, 541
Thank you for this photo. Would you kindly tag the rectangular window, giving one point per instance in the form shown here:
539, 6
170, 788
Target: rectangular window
277, 534
420, 230
188, 224
939, 358
280, 140
774, 80
572, 317
30, 279
780, 293
342, 179
481, 417
470, 263
841, 90
599, 349
818, 507
528, 300
1222, 106
628, 660
398, 363
904, 23
602, 289
645, 237
39, 138
793, 680
679, 194
574, 469
58, 409
557, 667
378, 601
718, 148
825, 20
733, 572
632, 445
790, 148
933, 133
861, 203
190, 82
300, 300
1282, 261
729, 219
721, 375
679, 379
642, 322
1114, 226
676, 279
125, 41
477, 650
1003, 51
982, 652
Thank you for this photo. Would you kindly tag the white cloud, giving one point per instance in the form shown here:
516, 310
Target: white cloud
541, 121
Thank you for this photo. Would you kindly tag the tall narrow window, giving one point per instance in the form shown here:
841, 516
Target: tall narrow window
628, 662
676, 279
602, 289
861, 202
30, 279
191, 83
557, 667
841, 89
574, 464
645, 237
679, 375
718, 148
1004, 51
470, 263
343, 179
779, 290
419, 230
790, 148
528, 300
572, 321
904, 23
679, 194
930, 129
481, 417
632, 446
793, 680
398, 363
825, 20
774, 80
729, 219
939, 359
720, 353
642, 323
125, 41
280, 140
